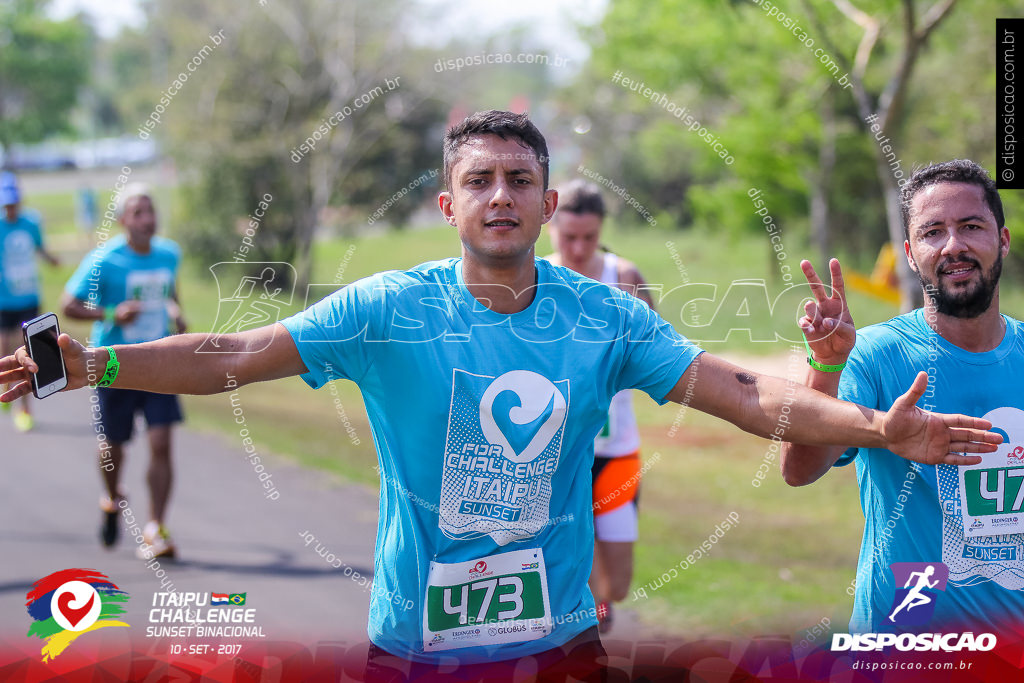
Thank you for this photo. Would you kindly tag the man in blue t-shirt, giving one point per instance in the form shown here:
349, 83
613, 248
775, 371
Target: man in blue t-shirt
127, 286
21, 238
486, 379
925, 519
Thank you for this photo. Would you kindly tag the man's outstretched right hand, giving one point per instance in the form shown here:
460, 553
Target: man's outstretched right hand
17, 369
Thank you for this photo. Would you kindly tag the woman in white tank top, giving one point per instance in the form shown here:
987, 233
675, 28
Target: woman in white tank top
576, 235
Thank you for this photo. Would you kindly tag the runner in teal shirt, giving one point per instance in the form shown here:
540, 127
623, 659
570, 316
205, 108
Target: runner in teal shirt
965, 522
912, 512
114, 273
21, 239
127, 287
486, 378
496, 424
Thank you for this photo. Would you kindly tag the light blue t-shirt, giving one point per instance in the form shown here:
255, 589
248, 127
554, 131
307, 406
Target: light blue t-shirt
113, 273
912, 512
484, 426
19, 277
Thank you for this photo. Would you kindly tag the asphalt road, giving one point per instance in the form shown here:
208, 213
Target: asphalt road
230, 537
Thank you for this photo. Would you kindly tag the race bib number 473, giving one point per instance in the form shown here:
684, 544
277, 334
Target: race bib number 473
494, 600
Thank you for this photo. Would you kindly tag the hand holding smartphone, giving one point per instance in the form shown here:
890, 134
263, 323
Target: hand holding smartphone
40, 336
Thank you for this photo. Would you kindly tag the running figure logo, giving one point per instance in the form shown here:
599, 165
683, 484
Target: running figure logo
914, 603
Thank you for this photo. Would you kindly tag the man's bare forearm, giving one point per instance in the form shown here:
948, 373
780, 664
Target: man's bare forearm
799, 414
166, 366
172, 365
79, 310
772, 407
803, 464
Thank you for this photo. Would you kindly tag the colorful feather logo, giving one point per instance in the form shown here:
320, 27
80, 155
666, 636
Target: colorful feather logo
69, 603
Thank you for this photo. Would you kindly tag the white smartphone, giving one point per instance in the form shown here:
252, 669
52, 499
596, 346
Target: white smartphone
41, 343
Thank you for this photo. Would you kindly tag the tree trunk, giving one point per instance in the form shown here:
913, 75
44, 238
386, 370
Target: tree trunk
820, 217
304, 251
911, 296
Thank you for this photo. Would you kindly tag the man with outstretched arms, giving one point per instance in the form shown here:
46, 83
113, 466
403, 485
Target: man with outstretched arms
486, 379
967, 518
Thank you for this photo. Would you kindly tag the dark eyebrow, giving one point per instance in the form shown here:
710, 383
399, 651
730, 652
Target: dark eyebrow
490, 171
968, 219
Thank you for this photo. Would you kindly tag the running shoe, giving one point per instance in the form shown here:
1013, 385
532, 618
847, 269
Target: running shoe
156, 542
109, 527
604, 617
23, 422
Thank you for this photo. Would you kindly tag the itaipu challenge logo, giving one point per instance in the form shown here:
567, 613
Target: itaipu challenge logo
70, 603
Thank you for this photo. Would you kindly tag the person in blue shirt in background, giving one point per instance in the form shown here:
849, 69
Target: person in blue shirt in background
486, 379
21, 238
932, 518
127, 285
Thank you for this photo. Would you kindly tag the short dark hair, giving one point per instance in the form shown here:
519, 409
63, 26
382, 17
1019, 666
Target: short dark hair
505, 125
955, 171
581, 197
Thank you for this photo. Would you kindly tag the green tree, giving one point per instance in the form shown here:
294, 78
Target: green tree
43, 63
745, 87
324, 75
125, 80
787, 87
882, 110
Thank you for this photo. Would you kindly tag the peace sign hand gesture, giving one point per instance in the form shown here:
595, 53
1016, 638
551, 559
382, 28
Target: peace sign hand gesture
827, 323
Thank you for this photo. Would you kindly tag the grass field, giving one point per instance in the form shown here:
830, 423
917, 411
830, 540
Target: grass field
782, 568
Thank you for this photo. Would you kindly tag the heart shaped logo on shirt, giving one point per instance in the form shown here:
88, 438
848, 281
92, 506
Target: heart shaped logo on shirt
536, 394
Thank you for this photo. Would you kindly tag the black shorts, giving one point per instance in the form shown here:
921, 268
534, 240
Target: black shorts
11, 320
118, 408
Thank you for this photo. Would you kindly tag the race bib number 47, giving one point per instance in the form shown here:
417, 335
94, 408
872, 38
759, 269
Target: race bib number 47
494, 600
992, 492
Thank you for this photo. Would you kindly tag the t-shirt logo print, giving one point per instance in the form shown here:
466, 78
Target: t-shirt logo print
503, 445
914, 603
536, 394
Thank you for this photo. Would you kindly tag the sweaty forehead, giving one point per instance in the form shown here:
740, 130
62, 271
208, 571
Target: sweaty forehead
948, 202
490, 152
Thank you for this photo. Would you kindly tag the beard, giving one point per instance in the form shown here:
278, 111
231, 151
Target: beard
967, 301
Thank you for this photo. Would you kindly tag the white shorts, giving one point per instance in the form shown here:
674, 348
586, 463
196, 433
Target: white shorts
618, 525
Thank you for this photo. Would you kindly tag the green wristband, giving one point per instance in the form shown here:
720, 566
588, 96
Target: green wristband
821, 367
109, 314
110, 374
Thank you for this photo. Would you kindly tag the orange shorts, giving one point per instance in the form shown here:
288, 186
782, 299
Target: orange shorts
616, 482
